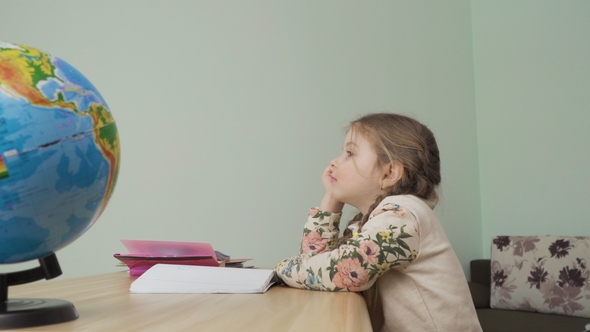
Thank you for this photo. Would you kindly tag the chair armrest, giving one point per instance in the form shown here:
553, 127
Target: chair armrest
481, 271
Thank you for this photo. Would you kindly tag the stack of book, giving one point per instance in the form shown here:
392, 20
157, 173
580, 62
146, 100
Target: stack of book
143, 254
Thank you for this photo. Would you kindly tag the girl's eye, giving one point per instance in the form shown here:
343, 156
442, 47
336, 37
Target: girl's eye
349, 153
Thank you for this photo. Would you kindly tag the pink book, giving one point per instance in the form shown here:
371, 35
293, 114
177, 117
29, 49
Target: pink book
144, 254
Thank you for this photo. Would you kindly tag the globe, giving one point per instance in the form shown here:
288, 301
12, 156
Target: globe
59, 154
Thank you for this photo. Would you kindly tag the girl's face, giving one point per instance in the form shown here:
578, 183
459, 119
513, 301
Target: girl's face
356, 176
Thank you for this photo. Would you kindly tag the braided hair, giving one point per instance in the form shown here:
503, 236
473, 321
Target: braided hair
401, 139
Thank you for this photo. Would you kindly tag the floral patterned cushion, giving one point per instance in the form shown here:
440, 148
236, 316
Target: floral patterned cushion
547, 274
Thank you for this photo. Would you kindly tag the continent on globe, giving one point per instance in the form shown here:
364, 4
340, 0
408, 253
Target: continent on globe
3, 169
59, 153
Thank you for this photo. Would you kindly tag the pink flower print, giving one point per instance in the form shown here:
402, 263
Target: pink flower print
395, 208
369, 250
313, 212
351, 275
400, 212
313, 242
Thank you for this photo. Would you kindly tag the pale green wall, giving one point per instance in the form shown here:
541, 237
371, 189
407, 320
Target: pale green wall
532, 78
229, 111
237, 108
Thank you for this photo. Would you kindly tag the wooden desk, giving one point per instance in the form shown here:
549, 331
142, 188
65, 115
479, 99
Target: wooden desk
104, 304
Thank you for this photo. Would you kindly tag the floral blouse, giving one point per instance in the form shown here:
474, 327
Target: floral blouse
389, 240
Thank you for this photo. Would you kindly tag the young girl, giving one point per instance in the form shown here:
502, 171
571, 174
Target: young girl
395, 249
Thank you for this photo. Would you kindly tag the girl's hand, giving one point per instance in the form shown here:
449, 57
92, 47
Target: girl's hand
329, 202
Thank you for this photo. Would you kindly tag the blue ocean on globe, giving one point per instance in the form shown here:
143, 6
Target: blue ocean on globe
59, 154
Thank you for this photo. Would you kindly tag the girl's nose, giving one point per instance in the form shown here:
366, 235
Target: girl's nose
333, 162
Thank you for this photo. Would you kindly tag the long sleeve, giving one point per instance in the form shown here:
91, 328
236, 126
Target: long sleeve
389, 240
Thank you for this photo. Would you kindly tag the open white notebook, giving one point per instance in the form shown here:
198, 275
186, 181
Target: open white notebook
169, 278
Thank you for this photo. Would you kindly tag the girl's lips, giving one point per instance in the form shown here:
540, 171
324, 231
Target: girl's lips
332, 179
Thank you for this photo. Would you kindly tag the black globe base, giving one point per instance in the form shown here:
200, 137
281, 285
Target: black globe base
20, 313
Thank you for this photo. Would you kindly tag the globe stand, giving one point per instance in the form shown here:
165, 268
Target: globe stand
18, 313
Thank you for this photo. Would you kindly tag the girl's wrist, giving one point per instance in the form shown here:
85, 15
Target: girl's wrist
329, 204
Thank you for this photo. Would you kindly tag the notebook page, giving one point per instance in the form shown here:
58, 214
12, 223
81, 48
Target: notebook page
169, 278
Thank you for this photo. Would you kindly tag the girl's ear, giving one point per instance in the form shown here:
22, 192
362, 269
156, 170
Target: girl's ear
393, 173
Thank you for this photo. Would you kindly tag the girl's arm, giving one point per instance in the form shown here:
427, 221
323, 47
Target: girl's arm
390, 239
320, 233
